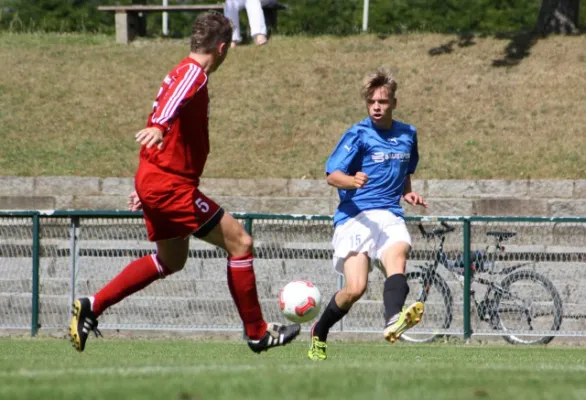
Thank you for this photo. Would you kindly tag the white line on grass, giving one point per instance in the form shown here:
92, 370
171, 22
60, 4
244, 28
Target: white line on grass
124, 371
224, 368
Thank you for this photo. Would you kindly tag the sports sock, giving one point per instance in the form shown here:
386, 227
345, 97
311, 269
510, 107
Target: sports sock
332, 314
394, 294
136, 276
242, 284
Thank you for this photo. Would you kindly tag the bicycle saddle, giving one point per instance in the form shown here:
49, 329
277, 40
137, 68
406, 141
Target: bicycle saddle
501, 235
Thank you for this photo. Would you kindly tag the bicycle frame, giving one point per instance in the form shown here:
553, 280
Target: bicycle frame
483, 307
500, 299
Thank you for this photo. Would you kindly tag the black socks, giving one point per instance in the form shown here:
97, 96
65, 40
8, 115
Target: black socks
394, 295
330, 316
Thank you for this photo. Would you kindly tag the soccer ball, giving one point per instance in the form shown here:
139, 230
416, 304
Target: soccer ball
300, 301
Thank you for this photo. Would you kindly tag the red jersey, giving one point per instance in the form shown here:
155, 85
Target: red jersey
181, 111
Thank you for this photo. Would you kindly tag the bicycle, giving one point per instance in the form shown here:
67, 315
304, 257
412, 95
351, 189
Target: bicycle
522, 294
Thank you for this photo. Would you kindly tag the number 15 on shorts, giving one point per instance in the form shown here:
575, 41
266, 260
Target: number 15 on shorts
355, 241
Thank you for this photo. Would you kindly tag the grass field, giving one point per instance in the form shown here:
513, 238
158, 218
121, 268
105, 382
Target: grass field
185, 369
70, 104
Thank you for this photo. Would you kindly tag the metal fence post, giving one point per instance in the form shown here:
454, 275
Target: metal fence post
340, 286
467, 277
73, 255
248, 225
35, 275
248, 229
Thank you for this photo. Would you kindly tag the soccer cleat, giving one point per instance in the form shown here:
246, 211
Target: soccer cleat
276, 335
317, 351
82, 322
406, 319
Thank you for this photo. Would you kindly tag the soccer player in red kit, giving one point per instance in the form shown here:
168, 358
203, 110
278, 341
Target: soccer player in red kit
174, 150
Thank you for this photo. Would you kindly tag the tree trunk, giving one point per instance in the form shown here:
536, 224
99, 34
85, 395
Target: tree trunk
558, 16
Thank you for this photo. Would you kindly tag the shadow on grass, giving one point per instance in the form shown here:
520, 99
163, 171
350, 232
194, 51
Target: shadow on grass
516, 50
464, 40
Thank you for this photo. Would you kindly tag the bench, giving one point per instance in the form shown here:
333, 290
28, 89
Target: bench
130, 20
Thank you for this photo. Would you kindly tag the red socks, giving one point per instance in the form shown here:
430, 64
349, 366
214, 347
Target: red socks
136, 276
242, 284
144, 271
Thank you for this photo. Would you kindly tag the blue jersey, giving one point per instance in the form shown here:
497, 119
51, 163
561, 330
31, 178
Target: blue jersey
386, 156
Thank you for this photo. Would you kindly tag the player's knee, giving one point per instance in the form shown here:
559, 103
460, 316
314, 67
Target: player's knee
398, 251
354, 292
246, 242
243, 245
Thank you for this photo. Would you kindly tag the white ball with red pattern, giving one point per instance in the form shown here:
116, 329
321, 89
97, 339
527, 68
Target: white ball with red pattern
300, 301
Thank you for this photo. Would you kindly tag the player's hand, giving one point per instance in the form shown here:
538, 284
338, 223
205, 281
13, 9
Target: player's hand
359, 180
414, 199
134, 203
150, 137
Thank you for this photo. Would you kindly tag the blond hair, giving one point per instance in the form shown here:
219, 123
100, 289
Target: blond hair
381, 78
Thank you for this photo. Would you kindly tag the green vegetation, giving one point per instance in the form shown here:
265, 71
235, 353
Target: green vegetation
313, 17
191, 369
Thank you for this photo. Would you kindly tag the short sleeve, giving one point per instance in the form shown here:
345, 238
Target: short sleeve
345, 152
414, 159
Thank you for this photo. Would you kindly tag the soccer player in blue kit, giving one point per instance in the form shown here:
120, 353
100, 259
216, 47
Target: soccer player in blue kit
372, 166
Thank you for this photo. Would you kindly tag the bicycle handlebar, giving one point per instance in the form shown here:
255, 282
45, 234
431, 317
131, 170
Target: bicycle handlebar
437, 231
480, 261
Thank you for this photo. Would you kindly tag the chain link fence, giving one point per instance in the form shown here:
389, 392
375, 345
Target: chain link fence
525, 279
524, 275
16, 238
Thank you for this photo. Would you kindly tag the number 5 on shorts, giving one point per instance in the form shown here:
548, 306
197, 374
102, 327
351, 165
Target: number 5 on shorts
202, 205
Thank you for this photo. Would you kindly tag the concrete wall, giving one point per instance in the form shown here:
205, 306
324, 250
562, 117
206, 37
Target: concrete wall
199, 298
297, 196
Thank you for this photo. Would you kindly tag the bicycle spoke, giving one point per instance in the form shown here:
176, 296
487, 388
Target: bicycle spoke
526, 302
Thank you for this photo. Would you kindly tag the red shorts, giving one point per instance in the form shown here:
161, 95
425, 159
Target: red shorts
172, 204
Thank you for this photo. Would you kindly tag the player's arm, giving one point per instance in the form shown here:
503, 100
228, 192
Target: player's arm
410, 196
150, 136
341, 180
134, 203
345, 158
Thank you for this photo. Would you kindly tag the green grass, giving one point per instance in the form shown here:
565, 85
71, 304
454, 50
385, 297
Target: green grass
192, 369
70, 104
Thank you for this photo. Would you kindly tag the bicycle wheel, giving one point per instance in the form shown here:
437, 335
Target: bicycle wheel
432, 290
528, 301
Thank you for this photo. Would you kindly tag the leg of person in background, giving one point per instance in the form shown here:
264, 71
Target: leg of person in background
356, 273
231, 11
256, 20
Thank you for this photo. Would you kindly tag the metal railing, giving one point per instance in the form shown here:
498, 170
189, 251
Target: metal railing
49, 257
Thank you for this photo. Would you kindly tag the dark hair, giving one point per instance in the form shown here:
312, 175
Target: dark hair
209, 30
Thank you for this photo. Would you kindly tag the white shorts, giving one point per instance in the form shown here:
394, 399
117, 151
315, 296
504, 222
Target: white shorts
370, 232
